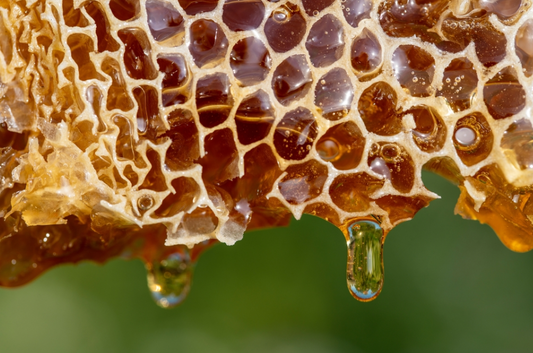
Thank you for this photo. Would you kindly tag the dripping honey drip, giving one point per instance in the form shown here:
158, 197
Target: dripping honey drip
153, 129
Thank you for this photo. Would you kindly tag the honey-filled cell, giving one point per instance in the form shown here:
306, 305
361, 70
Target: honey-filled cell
393, 162
295, 134
185, 146
352, 192
254, 117
473, 138
285, 27
292, 79
334, 94
342, 145
303, 182
503, 94
377, 107
430, 131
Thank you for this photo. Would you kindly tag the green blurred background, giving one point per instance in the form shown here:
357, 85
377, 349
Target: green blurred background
450, 286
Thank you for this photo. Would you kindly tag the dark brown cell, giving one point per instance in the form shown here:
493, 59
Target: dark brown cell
414, 68
430, 131
254, 118
285, 28
241, 15
351, 192
342, 145
165, 23
313, 7
334, 94
303, 182
524, 46
459, 84
221, 159
193, 7
518, 139
155, 179
213, 99
117, 95
402, 208
149, 122
366, 53
356, 10
503, 94
185, 146
137, 54
325, 42
125, 10
295, 134
472, 139
80, 46
186, 191
176, 79
392, 162
208, 44
377, 107
73, 17
105, 40
292, 79
250, 61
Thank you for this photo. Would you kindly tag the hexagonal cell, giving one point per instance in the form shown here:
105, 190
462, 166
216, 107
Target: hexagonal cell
213, 99
208, 44
292, 79
503, 94
295, 134
221, 159
459, 84
430, 131
472, 138
125, 10
334, 94
366, 54
377, 107
176, 79
241, 15
285, 28
165, 22
250, 61
352, 192
254, 118
393, 162
185, 146
303, 182
414, 68
325, 43
342, 145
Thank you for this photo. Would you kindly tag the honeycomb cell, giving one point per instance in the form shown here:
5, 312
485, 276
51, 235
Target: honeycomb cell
208, 43
221, 159
504, 9
175, 84
352, 192
524, 46
213, 99
201, 221
356, 10
165, 22
323, 211
250, 61
185, 146
517, 144
285, 28
402, 208
155, 179
366, 53
377, 107
295, 134
430, 131
117, 95
303, 182
325, 43
472, 138
503, 94
80, 46
342, 145
186, 192
414, 68
194, 7
334, 94
254, 117
105, 40
313, 7
125, 146
149, 122
125, 10
393, 162
137, 54
459, 84
292, 79
241, 15
94, 98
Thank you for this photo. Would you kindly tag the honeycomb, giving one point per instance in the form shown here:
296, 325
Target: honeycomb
128, 125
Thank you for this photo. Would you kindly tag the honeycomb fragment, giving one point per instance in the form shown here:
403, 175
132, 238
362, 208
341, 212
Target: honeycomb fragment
128, 125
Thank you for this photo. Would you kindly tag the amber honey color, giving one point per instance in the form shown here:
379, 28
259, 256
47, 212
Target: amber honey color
153, 129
